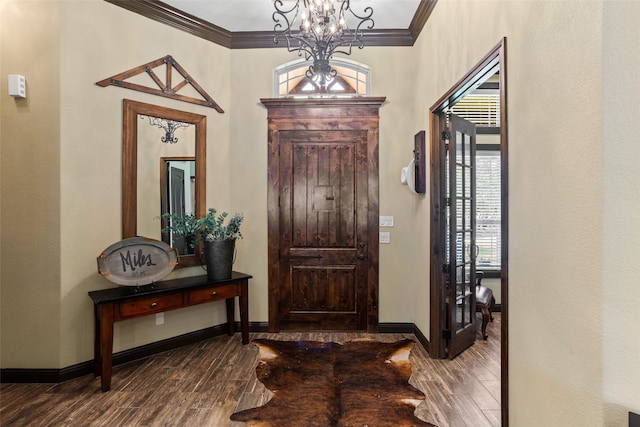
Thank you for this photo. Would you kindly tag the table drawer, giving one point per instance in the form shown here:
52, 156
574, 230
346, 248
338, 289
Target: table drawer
150, 305
214, 293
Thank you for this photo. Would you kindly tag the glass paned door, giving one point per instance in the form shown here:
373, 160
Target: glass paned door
461, 234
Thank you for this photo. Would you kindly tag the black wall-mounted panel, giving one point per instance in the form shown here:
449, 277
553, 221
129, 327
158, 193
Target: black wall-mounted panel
419, 160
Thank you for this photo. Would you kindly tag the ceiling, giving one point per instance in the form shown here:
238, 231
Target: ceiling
243, 24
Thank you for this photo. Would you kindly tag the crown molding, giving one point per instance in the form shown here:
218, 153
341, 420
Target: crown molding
264, 39
253, 40
166, 14
420, 18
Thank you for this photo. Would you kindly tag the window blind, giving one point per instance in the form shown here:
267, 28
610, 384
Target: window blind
481, 107
488, 236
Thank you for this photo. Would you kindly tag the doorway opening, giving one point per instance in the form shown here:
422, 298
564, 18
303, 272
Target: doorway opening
493, 64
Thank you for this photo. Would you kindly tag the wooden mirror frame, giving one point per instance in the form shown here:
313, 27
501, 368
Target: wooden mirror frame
131, 109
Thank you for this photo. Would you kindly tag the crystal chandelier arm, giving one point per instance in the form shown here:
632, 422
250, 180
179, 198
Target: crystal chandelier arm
285, 32
303, 45
282, 13
354, 37
366, 17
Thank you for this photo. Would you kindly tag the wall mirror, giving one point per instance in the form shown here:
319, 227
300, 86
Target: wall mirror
163, 170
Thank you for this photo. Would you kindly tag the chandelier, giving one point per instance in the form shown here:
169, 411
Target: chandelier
168, 126
322, 31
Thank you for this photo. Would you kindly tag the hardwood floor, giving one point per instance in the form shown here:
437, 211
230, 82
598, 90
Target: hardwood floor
203, 384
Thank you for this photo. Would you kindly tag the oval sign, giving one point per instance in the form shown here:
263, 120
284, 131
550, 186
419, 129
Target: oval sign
137, 261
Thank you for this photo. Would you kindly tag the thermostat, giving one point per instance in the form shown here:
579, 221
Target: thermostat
17, 86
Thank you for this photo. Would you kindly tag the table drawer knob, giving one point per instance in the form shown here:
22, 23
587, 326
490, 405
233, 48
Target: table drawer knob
154, 304
214, 293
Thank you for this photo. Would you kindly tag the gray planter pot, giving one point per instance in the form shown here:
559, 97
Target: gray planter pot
219, 257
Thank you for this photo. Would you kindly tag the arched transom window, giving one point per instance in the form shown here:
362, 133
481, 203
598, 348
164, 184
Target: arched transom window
352, 80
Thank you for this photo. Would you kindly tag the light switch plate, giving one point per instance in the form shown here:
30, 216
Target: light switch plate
386, 221
385, 237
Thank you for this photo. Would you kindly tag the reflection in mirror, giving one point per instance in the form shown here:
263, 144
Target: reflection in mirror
176, 140
151, 147
168, 126
177, 199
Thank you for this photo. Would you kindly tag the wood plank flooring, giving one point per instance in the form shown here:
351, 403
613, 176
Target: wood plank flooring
203, 384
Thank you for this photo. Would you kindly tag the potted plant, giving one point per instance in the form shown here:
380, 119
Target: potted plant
219, 242
182, 231
212, 226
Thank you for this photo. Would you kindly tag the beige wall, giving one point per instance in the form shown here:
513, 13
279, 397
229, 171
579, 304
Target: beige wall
573, 340
30, 202
620, 305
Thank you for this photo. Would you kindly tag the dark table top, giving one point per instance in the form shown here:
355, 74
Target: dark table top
125, 292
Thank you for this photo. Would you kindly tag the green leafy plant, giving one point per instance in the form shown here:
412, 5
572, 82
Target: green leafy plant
183, 225
184, 229
212, 226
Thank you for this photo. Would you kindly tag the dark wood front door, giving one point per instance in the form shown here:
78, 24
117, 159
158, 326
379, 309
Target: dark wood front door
323, 243
323, 211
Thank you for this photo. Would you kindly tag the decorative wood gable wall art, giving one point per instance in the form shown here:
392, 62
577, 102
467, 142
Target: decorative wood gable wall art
165, 89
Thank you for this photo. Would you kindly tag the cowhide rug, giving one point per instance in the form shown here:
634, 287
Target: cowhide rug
358, 383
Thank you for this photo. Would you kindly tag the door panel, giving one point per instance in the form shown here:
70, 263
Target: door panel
323, 186
461, 246
323, 244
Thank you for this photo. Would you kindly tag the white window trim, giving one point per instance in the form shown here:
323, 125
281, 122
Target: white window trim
336, 62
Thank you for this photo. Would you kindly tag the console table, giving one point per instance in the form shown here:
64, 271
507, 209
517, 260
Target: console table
128, 302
